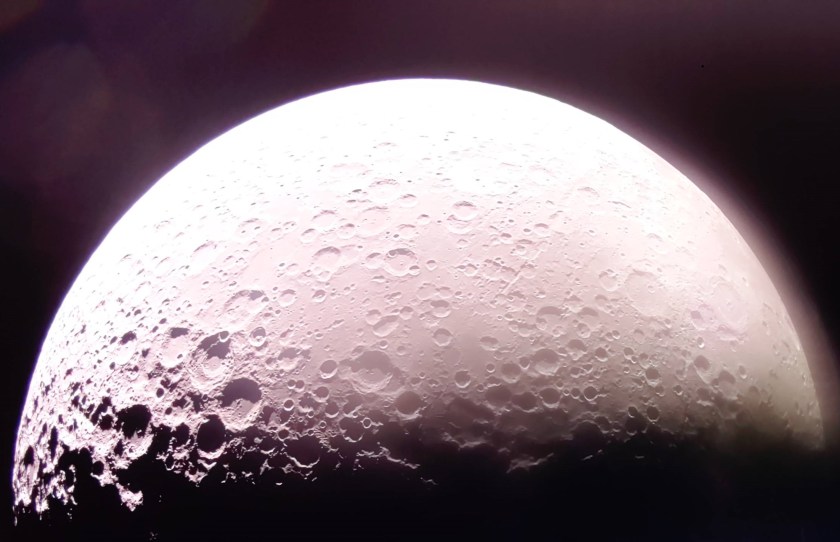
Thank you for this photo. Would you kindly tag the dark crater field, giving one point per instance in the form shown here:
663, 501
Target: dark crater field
653, 486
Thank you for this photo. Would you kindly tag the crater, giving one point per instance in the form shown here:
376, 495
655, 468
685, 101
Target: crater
211, 435
243, 389
134, 420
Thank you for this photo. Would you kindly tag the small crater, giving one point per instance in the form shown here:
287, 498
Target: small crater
328, 369
176, 332
726, 384
510, 372
325, 220
551, 319
590, 393
216, 345
134, 420
576, 349
546, 361
703, 368
257, 337
464, 210
526, 401
601, 354
53, 442
351, 429
304, 451
489, 343
290, 359
211, 435
498, 395
29, 456
241, 389
106, 422
608, 279
287, 298
385, 326
371, 371
180, 435
442, 337
408, 403
440, 308
550, 396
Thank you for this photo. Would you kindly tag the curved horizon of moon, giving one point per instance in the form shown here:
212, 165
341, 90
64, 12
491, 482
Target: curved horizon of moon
483, 265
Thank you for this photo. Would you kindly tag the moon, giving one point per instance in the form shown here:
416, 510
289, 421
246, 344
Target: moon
471, 265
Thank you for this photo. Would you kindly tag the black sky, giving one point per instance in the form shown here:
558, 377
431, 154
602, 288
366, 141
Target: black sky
98, 99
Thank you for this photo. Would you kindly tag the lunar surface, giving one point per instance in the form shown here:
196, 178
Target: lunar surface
452, 263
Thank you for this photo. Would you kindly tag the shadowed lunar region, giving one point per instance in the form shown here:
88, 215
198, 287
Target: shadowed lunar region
430, 304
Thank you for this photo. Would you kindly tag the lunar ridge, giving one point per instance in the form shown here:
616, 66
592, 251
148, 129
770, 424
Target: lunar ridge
381, 276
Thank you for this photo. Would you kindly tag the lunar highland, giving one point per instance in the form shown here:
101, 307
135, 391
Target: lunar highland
448, 264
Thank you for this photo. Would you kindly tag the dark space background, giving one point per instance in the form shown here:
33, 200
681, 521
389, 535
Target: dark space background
100, 98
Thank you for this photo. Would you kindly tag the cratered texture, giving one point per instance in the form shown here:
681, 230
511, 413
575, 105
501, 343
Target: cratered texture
467, 264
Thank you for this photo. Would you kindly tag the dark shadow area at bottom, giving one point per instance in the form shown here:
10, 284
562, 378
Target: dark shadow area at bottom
651, 487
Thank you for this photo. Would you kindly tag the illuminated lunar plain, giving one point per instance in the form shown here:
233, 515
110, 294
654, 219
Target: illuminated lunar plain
474, 266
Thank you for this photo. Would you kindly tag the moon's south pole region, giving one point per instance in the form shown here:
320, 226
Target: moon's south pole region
377, 277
